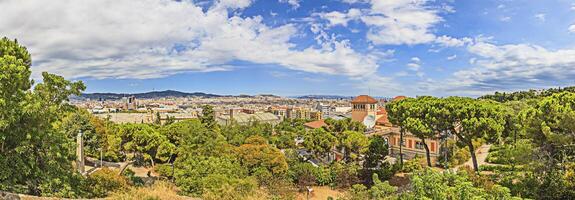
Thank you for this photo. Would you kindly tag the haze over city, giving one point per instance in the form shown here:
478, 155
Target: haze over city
299, 47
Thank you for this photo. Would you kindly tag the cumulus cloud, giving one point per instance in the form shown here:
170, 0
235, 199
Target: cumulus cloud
540, 17
447, 41
572, 28
293, 3
514, 66
505, 19
157, 38
397, 22
339, 18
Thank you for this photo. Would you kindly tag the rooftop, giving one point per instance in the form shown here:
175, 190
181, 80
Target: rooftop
363, 99
315, 124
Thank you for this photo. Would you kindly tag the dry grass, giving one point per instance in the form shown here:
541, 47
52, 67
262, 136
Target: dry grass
321, 193
159, 191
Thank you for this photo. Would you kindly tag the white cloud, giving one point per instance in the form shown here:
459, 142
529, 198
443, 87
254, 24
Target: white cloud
540, 17
354, 1
453, 57
572, 28
447, 41
338, 18
127, 40
514, 66
397, 22
293, 3
413, 66
505, 19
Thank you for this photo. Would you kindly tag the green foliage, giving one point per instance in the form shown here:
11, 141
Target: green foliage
319, 141
428, 184
131, 176
355, 144
475, 120
258, 154
413, 165
194, 174
378, 191
551, 123
519, 153
303, 174
104, 182
376, 151
523, 95
35, 157
208, 117
164, 170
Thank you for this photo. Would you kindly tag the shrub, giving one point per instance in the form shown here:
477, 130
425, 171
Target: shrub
104, 182
164, 170
413, 165
131, 175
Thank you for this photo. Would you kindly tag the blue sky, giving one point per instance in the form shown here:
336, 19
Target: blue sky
297, 47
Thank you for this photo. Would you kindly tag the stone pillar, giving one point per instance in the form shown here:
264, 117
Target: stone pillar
80, 152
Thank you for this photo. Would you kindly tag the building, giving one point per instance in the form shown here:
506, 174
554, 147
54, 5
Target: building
244, 118
315, 124
411, 146
364, 109
131, 103
315, 115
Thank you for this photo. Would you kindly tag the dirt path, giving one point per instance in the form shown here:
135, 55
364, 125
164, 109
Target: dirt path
481, 154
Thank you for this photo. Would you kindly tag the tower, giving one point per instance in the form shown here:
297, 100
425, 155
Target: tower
363, 106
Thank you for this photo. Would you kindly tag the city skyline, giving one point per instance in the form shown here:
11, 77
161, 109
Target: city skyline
300, 47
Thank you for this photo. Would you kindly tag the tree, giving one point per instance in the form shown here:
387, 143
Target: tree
258, 154
355, 144
551, 124
376, 151
208, 117
319, 141
475, 119
381, 190
415, 117
35, 157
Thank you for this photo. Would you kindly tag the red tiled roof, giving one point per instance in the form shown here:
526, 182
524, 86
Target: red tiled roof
383, 120
382, 111
315, 124
364, 99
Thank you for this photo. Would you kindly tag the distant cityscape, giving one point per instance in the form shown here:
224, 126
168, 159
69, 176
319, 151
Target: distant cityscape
146, 107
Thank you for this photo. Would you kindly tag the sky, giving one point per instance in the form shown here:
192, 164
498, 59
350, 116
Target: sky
299, 47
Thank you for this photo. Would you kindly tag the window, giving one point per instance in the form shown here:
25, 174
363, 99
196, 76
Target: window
432, 146
410, 144
419, 145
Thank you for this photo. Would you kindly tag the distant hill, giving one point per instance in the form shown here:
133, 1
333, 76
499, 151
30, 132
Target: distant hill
148, 95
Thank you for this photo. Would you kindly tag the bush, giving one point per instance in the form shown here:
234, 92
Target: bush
131, 175
461, 156
104, 182
164, 170
413, 165
500, 168
324, 176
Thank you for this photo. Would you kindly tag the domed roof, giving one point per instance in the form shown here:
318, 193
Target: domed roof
363, 99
